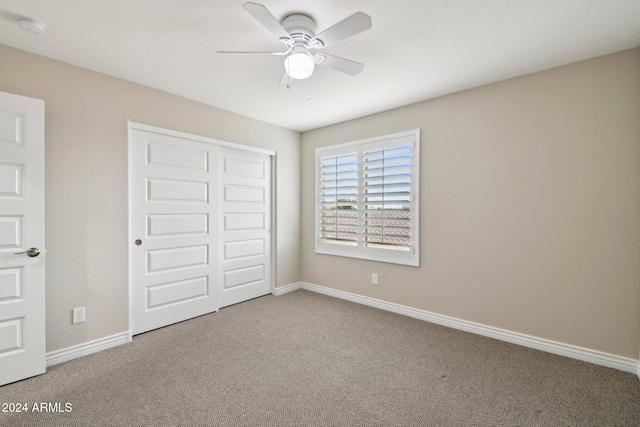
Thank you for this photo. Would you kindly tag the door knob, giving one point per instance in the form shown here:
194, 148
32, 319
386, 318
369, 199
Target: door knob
32, 252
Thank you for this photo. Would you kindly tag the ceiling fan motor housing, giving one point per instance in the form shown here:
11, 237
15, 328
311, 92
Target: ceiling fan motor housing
301, 28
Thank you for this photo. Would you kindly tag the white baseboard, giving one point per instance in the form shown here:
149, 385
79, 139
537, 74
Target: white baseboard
574, 352
286, 289
579, 353
73, 352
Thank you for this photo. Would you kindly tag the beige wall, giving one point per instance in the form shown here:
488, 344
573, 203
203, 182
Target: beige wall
530, 195
86, 189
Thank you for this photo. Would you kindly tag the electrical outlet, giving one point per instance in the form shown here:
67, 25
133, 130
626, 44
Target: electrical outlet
78, 315
374, 278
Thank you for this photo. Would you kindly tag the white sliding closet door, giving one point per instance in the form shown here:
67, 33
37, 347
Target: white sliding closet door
246, 225
173, 220
199, 225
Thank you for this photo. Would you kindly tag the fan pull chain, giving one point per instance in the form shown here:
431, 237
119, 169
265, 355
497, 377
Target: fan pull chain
309, 89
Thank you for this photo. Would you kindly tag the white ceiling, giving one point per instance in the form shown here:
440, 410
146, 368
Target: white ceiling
416, 50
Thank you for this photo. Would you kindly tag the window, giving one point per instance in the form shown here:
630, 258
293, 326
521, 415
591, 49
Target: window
367, 198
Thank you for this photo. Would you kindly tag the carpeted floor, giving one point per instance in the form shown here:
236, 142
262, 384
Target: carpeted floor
304, 359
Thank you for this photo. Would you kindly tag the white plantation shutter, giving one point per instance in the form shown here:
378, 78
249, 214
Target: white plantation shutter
367, 199
387, 197
339, 199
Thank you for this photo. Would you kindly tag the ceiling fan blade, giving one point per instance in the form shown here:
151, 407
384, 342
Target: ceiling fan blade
339, 64
263, 16
348, 27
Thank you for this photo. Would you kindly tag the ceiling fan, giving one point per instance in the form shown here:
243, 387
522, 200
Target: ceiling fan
297, 32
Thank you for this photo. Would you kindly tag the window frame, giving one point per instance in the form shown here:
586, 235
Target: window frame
360, 251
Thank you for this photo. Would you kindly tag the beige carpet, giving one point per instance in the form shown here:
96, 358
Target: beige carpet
304, 359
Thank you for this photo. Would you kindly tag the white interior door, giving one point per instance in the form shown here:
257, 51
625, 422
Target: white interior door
22, 303
173, 219
245, 179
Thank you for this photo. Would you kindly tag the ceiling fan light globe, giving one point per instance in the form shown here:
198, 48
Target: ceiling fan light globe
299, 66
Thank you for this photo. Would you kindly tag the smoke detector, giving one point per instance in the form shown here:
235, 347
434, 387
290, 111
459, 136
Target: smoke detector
32, 26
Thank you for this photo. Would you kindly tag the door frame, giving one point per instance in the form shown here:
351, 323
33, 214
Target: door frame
131, 125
